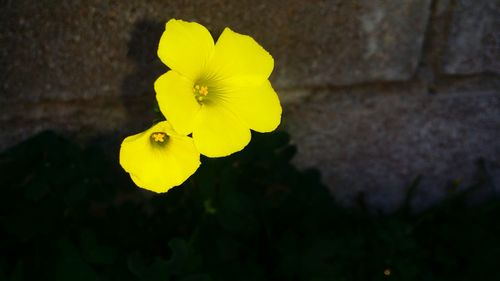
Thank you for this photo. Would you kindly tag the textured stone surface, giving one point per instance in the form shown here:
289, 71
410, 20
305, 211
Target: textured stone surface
354, 78
376, 141
82, 120
70, 49
79, 51
474, 40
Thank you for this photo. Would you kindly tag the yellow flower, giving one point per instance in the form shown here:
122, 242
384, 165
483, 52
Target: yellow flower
159, 158
217, 92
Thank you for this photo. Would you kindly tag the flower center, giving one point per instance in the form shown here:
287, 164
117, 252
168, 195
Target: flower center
159, 138
200, 92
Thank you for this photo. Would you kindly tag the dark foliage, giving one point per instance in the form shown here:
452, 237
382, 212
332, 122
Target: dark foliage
72, 214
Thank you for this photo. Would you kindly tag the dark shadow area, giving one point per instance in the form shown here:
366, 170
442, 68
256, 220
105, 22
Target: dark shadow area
138, 93
137, 89
69, 213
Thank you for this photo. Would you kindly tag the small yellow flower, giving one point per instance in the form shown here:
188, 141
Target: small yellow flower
159, 158
217, 92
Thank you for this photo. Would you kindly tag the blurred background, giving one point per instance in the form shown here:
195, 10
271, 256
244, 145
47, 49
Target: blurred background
390, 129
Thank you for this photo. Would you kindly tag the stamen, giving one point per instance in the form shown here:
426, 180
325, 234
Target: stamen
159, 137
200, 92
204, 91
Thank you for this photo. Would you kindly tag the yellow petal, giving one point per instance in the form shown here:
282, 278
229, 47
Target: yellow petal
185, 47
219, 132
239, 58
177, 101
259, 107
159, 167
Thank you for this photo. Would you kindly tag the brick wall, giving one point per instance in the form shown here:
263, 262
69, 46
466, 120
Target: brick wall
374, 92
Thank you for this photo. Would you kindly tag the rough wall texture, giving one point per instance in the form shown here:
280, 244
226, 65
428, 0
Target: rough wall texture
375, 92
376, 142
474, 40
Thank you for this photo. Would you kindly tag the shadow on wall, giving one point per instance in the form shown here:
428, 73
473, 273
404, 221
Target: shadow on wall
137, 91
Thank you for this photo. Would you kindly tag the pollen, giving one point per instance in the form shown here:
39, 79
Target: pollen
158, 137
204, 91
200, 92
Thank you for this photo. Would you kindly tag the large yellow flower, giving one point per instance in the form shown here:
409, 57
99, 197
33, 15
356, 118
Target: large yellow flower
217, 92
159, 158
